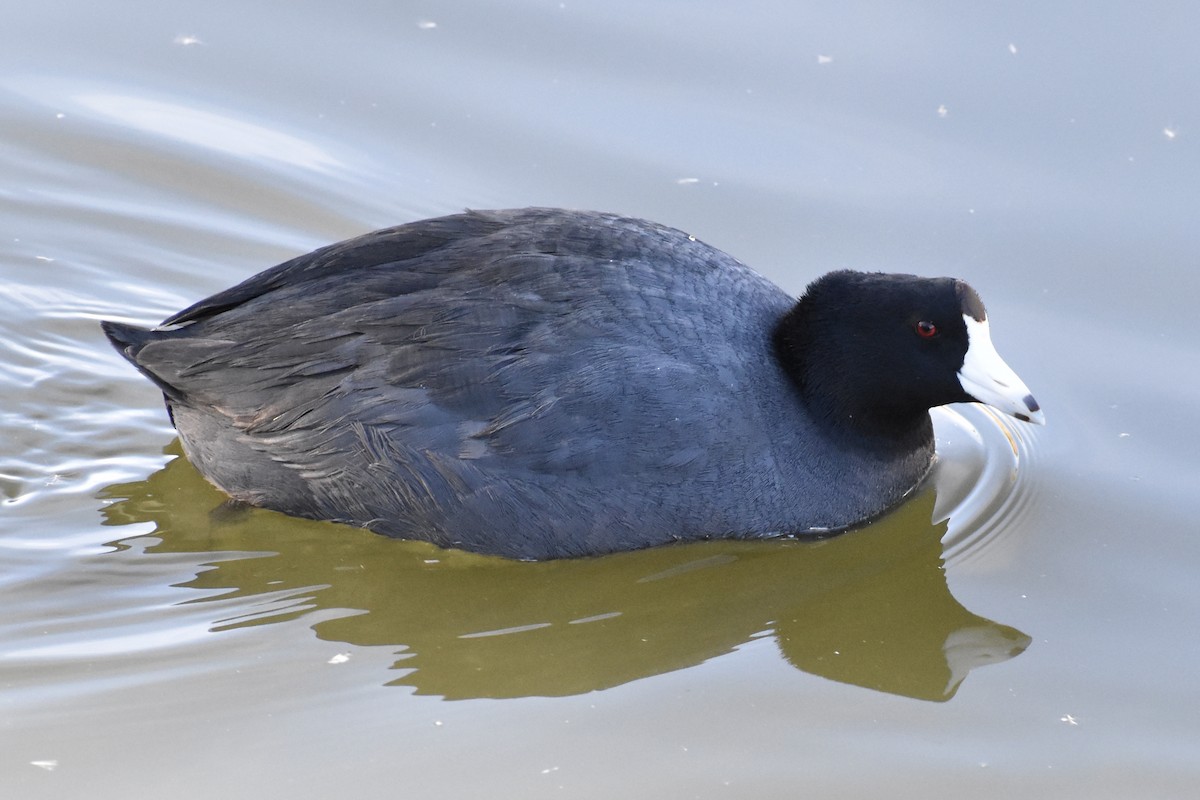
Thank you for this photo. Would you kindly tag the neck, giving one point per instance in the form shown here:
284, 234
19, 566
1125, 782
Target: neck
863, 422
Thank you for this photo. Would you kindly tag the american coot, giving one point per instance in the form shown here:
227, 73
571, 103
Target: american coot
542, 383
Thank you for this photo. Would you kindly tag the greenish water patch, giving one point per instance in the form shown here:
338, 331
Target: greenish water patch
871, 608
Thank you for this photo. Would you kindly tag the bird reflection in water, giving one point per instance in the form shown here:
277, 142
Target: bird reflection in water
870, 609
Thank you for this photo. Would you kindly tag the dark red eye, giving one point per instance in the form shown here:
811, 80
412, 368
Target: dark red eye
926, 329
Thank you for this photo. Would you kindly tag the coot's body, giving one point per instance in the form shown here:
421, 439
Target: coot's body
544, 383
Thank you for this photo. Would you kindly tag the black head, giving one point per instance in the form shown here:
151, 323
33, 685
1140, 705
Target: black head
874, 352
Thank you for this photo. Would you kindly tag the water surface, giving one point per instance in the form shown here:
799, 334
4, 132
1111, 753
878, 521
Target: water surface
1025, 624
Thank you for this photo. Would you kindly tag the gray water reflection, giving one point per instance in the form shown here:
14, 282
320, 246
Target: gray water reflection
871, 609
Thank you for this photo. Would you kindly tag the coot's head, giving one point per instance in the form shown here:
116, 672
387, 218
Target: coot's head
874, 352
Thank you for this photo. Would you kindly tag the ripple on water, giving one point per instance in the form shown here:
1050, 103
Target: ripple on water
983, 482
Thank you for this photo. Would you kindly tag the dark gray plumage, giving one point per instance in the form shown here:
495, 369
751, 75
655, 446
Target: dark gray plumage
544, 383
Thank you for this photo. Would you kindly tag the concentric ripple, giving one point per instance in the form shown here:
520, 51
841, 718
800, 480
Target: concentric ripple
983, 481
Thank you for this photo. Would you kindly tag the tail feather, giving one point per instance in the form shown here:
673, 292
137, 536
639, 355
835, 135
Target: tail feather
128, 340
